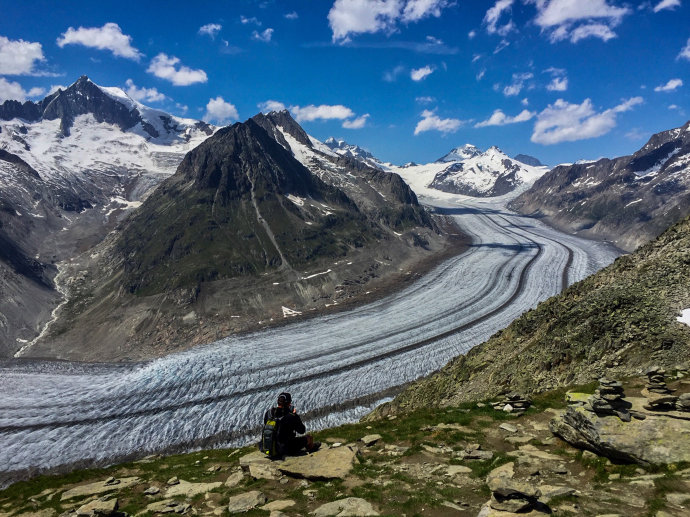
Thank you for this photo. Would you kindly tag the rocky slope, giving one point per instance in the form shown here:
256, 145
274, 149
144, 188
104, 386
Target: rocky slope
627, 200
618, 321
468, 460
70, 166
242, 235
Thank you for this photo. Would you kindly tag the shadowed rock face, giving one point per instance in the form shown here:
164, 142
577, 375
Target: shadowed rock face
627, 200
226, 212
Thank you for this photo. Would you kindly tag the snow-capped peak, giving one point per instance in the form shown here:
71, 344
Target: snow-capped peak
464, 152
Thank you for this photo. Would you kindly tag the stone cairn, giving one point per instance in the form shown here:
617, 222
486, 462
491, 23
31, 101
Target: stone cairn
513, 403
659, 396
608, 400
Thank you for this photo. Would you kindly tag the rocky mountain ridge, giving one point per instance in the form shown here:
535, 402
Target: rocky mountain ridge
627, 200
71, 165
242, 232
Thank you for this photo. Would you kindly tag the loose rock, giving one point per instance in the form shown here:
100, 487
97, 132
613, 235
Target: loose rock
351, 506
245, 502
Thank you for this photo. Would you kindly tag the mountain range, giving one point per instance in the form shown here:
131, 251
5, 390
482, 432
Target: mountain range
257, 222
627, 200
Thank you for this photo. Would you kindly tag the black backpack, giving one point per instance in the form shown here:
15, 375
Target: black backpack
269, 435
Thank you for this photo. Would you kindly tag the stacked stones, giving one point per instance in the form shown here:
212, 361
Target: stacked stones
608, 400
513, 403
659, 396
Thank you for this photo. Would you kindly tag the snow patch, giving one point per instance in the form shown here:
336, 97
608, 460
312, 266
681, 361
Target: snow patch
684, 317
289, 312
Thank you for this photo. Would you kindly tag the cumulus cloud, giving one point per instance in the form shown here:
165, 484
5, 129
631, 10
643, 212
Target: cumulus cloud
671, 85
19, 57
108, 37
666, 4
169, 68
493, 15
498, 118
292, 16
12, 90
323, 112
558, 84
253, 20
575, 20
264, 36
357, 123
143, 94
685, 51
210, 29
566, 122
351, 17
517, 85
271, 105
420, 73
219, 111
472, 34
432, 122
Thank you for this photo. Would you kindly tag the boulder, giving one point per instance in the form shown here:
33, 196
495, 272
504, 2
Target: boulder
351, 506
245, 502
100, 487
234, 479
263, 471
277, 506
167, 506
658, 439
98, 507
370, 439
189, 490
323, 464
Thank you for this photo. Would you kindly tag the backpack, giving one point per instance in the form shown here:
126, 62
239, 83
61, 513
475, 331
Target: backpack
269, 435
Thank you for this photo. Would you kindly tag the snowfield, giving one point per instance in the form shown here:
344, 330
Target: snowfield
338, 367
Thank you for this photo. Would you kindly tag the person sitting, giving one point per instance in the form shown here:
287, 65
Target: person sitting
287, 425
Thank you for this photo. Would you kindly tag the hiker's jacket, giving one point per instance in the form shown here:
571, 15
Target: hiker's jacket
290, 425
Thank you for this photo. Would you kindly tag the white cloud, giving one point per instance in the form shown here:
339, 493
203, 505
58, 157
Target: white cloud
220, 111
271, 105
666, 4
292, 16
673, 84
420, 73
493, 15
517, 85
592, 30
143, 94
558, 84
357, 123
169, 68
417, 9
565, 122
425, 100
578, 19
472, 34
55, 87
685, 51
210, 29
498, 118
182, 107
351, 17
322, 112
525, 101
18, 57
264, 36
480, 74
13, 90
673, 107
108, 37
253, 20
431, 122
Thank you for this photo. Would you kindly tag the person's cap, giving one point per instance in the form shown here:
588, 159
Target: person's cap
284, 399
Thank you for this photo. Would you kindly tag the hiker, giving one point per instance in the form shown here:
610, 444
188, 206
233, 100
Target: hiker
281, 426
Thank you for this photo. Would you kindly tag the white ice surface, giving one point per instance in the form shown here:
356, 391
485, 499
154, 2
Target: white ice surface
337, 366
684, 317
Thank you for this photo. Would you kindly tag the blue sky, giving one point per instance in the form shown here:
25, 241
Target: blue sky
407, 79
